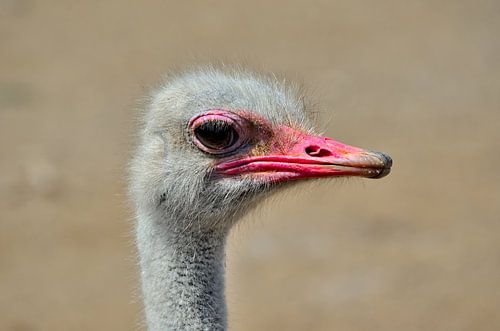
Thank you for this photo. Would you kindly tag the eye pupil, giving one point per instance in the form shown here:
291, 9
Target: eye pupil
216, 135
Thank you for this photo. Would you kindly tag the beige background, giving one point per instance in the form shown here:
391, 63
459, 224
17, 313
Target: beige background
420, 80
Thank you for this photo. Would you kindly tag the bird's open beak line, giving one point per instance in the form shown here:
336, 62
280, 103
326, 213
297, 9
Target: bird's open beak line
310, 156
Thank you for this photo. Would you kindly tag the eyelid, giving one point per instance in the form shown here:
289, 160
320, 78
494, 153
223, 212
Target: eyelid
199, 120
220, 116
217, 113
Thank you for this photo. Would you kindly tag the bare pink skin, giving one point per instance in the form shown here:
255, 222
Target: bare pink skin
287, 153
310, 157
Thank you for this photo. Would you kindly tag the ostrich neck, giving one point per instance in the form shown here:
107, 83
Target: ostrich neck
182, 276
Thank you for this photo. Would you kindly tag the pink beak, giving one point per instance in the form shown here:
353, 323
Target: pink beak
295, 155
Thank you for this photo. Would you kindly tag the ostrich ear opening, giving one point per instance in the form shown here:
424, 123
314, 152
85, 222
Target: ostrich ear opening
164, 140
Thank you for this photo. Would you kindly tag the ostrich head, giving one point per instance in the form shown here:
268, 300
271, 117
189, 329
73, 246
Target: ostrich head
215, 142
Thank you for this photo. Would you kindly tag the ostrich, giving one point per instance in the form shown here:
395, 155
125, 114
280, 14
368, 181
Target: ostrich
213, 144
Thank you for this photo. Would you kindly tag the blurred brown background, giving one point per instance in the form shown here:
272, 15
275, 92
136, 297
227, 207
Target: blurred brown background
418, 250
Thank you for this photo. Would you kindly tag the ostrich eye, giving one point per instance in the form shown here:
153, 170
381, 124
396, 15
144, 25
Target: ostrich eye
216, 136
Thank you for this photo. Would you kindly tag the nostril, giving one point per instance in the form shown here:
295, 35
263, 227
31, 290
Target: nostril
311, 150
317, 151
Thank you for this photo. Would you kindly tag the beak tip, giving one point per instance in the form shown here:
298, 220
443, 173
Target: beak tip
387, 164
384, 172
